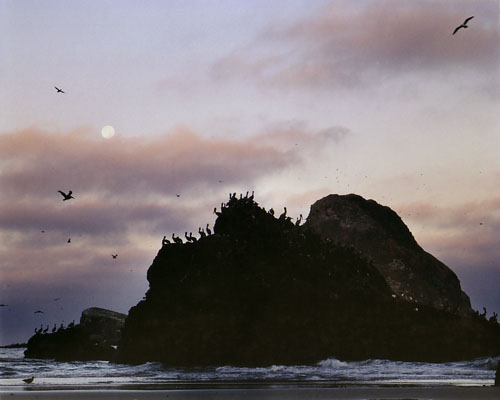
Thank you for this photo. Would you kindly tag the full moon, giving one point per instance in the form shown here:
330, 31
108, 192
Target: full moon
107, 132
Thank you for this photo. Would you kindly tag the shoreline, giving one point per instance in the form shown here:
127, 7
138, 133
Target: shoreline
346, 393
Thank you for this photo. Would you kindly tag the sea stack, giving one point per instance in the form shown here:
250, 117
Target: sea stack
380, 235
262, 290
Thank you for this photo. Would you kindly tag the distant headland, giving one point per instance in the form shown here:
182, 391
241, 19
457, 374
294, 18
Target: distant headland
350, 282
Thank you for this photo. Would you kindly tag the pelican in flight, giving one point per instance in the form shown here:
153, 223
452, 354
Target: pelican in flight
66, 196
464, 25
59, 90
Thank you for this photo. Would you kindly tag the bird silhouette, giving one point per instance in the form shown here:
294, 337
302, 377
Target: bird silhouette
29, 380
4, 305
69, 240
59, 90
39, 312
209, 232
66, 196
114, 256
464, 25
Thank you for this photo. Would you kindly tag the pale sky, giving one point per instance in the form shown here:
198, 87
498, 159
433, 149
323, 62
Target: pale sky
292, 99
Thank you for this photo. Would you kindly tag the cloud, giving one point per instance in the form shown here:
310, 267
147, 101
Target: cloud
345, 45
464, 234
38, 163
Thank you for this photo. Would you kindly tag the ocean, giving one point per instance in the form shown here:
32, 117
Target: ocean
331, 372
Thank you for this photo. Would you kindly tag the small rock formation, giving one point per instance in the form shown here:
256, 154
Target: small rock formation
380, 235
103, 325
262, 290
91, 339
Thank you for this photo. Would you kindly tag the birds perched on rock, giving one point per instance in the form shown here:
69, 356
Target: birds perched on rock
66, 196
29, 380
464, 25
59, 90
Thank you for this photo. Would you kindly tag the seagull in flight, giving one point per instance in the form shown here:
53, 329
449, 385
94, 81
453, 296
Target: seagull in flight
66, 196
59, 90
464, 25
114, 255
39, 312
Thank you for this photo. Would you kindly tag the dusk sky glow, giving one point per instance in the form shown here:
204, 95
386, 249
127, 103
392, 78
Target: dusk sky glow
293, 99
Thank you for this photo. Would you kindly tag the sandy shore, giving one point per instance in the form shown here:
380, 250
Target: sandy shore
370, 393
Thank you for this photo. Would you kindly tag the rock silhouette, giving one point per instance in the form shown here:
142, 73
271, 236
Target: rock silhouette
381, 236
91, 339
262, 291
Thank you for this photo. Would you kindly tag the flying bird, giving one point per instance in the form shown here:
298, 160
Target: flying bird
69, 240
29, 380
39, 312
464, 25
114, 255
57, 298
59, 90
4, 305
66, 196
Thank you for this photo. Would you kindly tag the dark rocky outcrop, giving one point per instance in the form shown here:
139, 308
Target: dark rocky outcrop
381, 236
263, 291
91, 339
102, 325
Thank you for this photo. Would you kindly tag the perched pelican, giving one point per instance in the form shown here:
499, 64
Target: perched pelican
66, 196
59, 90
209, 232
29, 380
464, 25
176, 239
202, 233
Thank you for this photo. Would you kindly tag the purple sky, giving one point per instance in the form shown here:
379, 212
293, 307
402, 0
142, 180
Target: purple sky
293, 99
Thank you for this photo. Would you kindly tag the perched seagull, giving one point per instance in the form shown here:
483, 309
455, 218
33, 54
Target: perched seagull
464, 25
39, 312
59, 90
29, 380
114, 255
66, 196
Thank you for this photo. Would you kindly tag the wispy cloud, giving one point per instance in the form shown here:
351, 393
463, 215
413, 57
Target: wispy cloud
344, 44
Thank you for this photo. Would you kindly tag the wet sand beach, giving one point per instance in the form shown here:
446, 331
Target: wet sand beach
357, 393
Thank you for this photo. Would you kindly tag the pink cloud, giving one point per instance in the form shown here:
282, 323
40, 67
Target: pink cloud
343, 45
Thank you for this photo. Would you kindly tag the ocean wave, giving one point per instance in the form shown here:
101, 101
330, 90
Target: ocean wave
332, 363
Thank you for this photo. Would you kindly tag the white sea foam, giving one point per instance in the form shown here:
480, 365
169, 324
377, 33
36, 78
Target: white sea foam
331, 371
